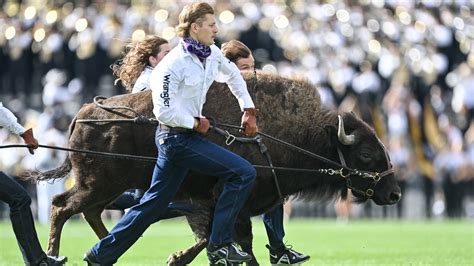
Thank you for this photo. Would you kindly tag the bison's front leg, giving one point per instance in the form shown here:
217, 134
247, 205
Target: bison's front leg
92, 217
244, 237
200, 222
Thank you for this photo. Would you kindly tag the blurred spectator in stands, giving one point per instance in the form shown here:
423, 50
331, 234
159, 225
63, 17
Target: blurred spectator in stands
403, 164
448, 163
468, 170
55, 91
462, 81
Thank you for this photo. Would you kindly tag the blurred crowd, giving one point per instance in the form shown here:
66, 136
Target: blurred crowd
406, 67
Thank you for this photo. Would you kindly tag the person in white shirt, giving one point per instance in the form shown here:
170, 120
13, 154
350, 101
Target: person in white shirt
133, 71
135, 67
179, 86
19, 201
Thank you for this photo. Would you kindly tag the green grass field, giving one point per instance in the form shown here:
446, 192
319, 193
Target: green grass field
377, 242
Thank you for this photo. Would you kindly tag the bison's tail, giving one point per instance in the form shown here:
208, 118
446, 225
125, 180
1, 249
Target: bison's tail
57, 173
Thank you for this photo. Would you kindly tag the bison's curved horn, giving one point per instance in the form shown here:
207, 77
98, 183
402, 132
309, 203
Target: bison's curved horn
341, 134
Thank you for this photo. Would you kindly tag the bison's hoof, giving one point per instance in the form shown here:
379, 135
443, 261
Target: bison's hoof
175, 259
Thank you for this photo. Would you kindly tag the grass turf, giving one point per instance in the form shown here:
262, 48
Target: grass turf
363, 242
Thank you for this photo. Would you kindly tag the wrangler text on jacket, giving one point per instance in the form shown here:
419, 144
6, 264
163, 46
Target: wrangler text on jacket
165, 95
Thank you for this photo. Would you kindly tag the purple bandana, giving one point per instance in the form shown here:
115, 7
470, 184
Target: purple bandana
200, 50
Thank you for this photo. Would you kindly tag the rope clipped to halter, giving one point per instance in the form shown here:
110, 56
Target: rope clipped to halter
100, 153
229, 139
139, 118
343, 171
98, 99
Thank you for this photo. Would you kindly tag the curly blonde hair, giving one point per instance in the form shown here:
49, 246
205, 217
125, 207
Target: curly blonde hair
193, 13
135, 59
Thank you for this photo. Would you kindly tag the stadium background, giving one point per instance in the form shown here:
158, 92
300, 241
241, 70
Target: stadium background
406, 67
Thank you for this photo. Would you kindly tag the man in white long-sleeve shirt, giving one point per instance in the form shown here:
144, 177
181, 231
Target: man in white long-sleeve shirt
134, 71
17, 198
179, 86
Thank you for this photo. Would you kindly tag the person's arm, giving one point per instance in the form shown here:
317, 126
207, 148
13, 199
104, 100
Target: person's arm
9, 121
230, 74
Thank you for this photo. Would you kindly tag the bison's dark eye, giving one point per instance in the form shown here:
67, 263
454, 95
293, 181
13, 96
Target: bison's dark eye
365, 157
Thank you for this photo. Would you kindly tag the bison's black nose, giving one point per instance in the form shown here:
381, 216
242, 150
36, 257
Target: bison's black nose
395, 197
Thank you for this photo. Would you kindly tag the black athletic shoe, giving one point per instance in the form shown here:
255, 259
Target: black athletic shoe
227, 255
92, 260
286, 256
53, 261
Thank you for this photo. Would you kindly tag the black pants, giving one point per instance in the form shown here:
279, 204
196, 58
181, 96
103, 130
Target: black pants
16, 197
454, 195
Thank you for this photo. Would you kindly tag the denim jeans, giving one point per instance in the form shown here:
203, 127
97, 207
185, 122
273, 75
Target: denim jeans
179, 153
129, 199
21, 217
126, 200
273, 221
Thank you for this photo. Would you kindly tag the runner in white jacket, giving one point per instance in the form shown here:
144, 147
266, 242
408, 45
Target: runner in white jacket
142, 56
179, 86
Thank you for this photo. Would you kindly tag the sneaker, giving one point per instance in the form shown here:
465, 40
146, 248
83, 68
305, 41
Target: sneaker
287, 256
92, 260
53, 261
227, 255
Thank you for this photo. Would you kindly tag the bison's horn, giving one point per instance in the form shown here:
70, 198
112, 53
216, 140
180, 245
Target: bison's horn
341, 134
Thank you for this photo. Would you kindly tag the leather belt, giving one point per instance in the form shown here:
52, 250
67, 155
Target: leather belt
175, 129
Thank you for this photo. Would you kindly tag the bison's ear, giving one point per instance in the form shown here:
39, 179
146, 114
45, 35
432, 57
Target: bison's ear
331, 131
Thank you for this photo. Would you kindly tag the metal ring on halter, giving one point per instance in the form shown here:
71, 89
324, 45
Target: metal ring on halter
369, 192
229, 139
341, 173
376, 177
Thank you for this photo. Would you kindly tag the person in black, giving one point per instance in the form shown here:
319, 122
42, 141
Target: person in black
19, 202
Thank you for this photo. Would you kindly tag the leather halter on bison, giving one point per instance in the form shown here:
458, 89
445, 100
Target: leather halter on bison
289, 110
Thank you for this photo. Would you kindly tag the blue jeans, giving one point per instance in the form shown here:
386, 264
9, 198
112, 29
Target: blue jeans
129, 199
273, 221
126, 200
179, 153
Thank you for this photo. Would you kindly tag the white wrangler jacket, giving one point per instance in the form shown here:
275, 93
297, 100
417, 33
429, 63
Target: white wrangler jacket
143, 81
180, 82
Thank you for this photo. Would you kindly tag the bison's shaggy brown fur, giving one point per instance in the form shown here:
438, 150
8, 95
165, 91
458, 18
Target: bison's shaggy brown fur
289, 110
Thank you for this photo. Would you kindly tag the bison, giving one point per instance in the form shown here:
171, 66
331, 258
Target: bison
289, 111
